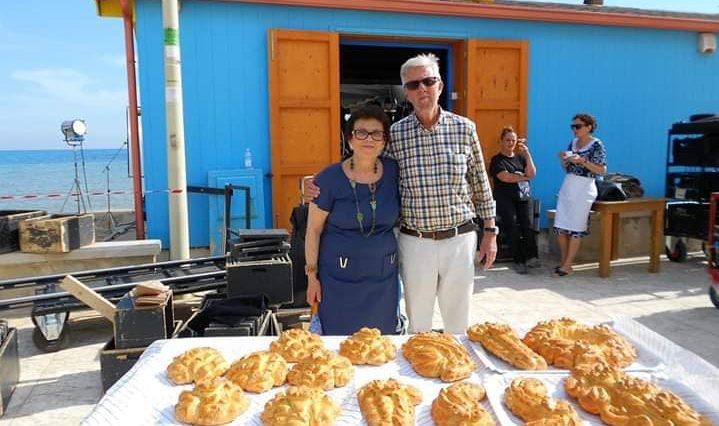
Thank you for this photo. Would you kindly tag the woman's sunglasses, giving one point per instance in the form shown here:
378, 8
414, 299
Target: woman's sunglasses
427, 81
576, 126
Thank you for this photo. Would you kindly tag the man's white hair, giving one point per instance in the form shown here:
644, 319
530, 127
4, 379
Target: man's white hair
421, 60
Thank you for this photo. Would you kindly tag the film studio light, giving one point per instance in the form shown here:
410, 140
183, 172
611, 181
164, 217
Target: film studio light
74, 131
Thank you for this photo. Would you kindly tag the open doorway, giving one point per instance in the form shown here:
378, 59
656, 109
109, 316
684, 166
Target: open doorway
369, 73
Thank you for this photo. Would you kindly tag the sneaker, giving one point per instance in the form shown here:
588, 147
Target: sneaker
521, 268
534, 263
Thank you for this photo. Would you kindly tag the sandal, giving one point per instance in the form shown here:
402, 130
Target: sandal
559, 272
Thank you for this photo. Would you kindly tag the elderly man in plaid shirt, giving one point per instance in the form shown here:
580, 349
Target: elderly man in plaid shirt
444, 189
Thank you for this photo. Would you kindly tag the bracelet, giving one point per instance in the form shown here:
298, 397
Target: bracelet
310, 269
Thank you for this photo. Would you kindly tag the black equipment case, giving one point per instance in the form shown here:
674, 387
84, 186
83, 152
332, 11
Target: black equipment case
138, 326
9, 365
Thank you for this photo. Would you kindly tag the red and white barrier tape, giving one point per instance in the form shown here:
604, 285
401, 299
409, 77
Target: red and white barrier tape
93, 193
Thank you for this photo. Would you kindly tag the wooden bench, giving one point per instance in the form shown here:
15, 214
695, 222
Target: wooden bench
609, 219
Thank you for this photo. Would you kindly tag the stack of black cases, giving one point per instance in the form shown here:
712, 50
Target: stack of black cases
259, 263
259, 244
271, 277
135, 327
254, 325
249, 326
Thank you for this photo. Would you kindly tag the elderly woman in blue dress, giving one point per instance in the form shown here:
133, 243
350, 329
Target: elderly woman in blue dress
350, 246
583, 161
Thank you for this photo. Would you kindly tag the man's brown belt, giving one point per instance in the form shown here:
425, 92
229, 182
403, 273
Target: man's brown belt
468, 226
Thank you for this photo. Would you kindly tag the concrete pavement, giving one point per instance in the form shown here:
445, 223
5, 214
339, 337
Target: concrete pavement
62, 387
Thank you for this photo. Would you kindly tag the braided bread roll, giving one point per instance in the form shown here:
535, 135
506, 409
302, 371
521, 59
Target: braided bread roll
197, 365
296, 344
388, 402
212, 402
300, 406
502, 341
368, 346
620, 399
323, 369
440, 355
258, 371
459, 404
566, 343
528, 400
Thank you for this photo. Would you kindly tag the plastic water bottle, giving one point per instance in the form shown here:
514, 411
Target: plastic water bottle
248, 158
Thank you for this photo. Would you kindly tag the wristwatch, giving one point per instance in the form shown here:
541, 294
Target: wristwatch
310, 269
492, 229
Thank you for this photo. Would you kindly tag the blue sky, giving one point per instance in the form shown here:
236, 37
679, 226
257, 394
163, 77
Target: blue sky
59, 61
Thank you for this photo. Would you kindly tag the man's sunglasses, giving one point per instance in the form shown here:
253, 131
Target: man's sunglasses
427, 81
362, 134
576, 126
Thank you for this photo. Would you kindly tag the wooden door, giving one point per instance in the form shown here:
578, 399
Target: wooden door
496, 82
304, 112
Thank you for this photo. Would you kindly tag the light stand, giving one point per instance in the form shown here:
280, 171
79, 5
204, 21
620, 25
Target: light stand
110, 218
74, 132
113, 227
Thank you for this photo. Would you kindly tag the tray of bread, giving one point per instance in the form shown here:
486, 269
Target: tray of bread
598, 395
558, 345
364, 379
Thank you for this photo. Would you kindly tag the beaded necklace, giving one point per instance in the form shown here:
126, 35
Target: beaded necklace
372, 201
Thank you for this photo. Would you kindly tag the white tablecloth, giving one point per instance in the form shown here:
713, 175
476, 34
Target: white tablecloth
145, 396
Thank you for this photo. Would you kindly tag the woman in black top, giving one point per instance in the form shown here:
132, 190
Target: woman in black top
512, 169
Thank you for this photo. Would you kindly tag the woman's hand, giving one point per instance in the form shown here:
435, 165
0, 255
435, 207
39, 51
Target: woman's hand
577, 159
314, 290
522, 149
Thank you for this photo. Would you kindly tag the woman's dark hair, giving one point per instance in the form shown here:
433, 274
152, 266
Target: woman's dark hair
365, 112
587, 119
505, 130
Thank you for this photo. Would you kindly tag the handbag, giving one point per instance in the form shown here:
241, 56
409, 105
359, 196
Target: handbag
610, 191
298, 219
315, 323
525, 190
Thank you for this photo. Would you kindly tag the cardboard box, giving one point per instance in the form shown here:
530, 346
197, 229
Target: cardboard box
57, 233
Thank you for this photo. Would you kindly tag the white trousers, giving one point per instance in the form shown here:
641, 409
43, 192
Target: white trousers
443, 270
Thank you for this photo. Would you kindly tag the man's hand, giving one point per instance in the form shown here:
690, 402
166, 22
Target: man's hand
487, 249
310, 190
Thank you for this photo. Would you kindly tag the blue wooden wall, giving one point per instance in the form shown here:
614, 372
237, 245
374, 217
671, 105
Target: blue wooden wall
637, 82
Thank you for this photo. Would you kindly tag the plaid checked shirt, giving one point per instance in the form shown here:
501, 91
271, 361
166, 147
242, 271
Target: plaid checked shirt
443, 182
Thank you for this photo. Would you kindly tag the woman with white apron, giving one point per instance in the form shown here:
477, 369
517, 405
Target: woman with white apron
584, 160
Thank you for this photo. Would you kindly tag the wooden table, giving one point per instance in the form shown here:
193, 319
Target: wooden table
609, 219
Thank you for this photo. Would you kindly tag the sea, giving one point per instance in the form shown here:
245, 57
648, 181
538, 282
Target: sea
50, 176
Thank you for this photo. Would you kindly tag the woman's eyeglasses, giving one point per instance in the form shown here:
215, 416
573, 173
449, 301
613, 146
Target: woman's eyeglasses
427, 81
362, 134
576, 126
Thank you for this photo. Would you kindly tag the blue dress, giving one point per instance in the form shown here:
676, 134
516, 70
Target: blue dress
357, 271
